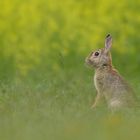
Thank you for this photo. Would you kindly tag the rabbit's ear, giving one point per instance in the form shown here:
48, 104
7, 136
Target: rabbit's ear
108, 42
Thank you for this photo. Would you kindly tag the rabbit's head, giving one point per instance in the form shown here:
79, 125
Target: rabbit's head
101, 57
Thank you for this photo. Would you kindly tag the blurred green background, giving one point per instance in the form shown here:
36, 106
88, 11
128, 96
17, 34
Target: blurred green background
45, 88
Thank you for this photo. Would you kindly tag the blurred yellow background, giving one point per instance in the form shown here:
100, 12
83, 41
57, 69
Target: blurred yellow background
37, 32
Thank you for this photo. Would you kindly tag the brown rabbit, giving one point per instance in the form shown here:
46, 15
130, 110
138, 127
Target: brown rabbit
108, 82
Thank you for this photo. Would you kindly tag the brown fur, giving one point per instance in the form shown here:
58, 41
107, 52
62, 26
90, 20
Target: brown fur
108, 82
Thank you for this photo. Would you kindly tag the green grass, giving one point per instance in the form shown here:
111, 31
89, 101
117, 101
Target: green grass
58, 107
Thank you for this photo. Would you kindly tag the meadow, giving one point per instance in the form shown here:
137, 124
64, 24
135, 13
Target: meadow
46, 90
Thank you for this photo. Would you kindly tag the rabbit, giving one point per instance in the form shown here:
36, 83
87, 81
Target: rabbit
109, 84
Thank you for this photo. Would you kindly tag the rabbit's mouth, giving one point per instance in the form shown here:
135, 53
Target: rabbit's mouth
89, 62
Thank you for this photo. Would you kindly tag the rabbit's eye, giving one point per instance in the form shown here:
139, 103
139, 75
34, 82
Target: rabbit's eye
96, 53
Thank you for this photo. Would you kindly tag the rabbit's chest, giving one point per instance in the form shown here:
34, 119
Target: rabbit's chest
99, 82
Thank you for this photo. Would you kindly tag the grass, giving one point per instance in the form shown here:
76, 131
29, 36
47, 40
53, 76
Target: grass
58, 107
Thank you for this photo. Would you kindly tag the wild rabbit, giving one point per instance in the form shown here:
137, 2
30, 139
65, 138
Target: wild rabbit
108, 82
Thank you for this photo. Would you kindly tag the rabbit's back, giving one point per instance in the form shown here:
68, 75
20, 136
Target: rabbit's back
114, 88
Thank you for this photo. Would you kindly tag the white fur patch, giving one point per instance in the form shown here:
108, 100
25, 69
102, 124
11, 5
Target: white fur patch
115, 104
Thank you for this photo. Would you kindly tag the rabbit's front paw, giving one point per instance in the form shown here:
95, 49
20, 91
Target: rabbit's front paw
94, 106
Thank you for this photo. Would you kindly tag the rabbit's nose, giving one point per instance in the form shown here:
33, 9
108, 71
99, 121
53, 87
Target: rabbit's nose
88, 61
